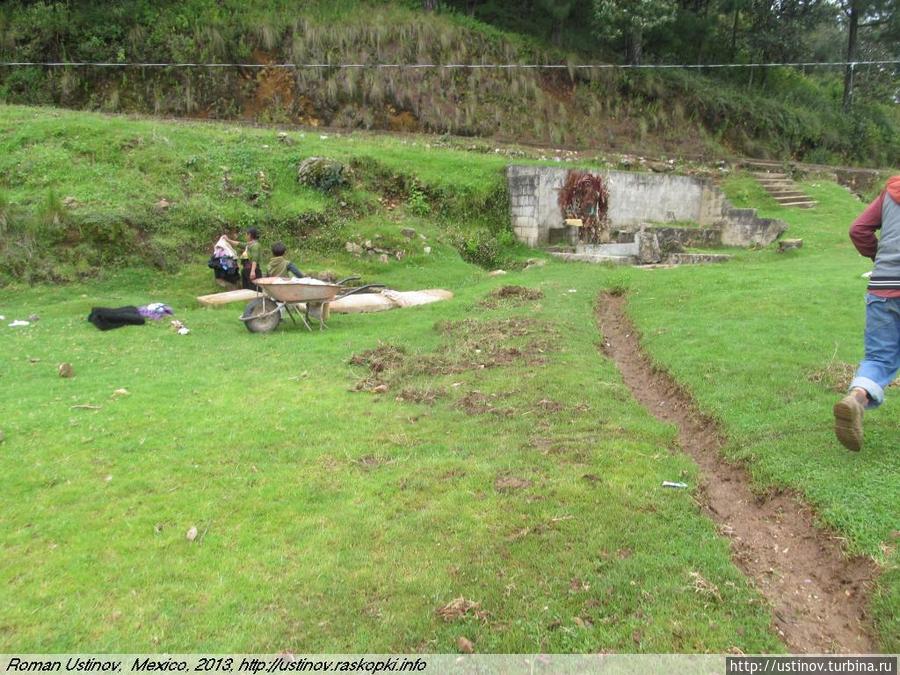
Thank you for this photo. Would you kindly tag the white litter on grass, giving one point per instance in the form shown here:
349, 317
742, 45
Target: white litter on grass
866, 275
17, 323
180, 328
573, 290
2, 318
678, 485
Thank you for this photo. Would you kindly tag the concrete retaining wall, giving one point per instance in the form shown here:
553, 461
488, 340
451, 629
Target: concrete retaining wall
634, 199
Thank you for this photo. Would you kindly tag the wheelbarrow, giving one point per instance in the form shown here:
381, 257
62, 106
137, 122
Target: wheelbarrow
297, 299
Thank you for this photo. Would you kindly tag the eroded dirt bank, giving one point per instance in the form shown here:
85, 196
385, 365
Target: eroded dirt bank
818, 595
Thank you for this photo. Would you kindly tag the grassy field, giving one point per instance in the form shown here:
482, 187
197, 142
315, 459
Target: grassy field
341, 520
505, 464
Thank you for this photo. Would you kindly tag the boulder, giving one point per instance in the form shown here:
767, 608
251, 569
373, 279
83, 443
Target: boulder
649, 251
660, 167
789, 245
321, 173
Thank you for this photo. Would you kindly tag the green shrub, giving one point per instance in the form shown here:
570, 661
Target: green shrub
417, 202
481, 247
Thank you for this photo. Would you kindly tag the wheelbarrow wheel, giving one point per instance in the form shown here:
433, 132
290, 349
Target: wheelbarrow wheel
261, 316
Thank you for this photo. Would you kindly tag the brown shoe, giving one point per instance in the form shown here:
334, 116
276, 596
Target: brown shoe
848, 422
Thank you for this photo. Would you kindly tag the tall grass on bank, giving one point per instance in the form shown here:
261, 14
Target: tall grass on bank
792, 116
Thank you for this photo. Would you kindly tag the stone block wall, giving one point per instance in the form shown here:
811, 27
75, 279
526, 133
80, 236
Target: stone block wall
523, 197
635, 199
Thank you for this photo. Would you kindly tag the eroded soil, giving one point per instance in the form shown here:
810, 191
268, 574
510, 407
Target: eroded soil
818, 595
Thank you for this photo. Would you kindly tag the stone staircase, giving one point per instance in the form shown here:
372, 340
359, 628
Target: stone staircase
778, 184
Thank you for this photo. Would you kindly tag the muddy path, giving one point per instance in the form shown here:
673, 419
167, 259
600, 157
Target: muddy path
818, 595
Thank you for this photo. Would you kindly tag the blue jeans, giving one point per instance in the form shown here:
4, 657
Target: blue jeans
882, 360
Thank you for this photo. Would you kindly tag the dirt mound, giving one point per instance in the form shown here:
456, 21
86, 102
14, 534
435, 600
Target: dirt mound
427, 396
511, 295
459, 608
476, 403
380, 361
510, 483
473, 344
491, 329
382, 358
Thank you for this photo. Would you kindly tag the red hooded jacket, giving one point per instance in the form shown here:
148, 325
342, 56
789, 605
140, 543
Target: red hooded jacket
862, 231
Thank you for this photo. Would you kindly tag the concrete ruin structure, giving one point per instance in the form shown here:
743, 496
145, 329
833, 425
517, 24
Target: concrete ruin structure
645, 210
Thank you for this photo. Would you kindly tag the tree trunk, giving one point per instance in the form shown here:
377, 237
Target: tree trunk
557, 33
734, 31
429, 5
852, 29
635, 46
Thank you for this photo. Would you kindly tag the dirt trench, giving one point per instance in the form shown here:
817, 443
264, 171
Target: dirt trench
818, 595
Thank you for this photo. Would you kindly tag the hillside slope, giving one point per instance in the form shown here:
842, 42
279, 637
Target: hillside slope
668, 111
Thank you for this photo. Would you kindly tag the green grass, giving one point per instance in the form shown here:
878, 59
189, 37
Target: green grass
763, 343
110, 160
257, 440
338, 520
213, 177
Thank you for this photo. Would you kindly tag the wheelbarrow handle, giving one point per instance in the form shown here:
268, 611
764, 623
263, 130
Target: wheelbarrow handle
360, 289
344, 281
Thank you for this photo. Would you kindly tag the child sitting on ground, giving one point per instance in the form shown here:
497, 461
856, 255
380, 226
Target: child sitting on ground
279, 266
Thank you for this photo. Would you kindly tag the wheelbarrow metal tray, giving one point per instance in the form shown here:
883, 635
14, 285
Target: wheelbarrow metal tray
292, 291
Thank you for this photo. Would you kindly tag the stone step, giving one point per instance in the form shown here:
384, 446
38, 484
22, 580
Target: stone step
788, 194
768, 174
765, 166
597, 259
799, 203
775, 182
697, 258
612, 249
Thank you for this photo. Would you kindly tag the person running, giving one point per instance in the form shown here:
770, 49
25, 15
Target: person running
882, 335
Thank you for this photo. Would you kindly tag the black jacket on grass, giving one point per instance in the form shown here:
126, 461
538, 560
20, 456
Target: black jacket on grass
107, 318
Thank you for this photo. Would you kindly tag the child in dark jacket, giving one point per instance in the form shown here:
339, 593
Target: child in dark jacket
279, 265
